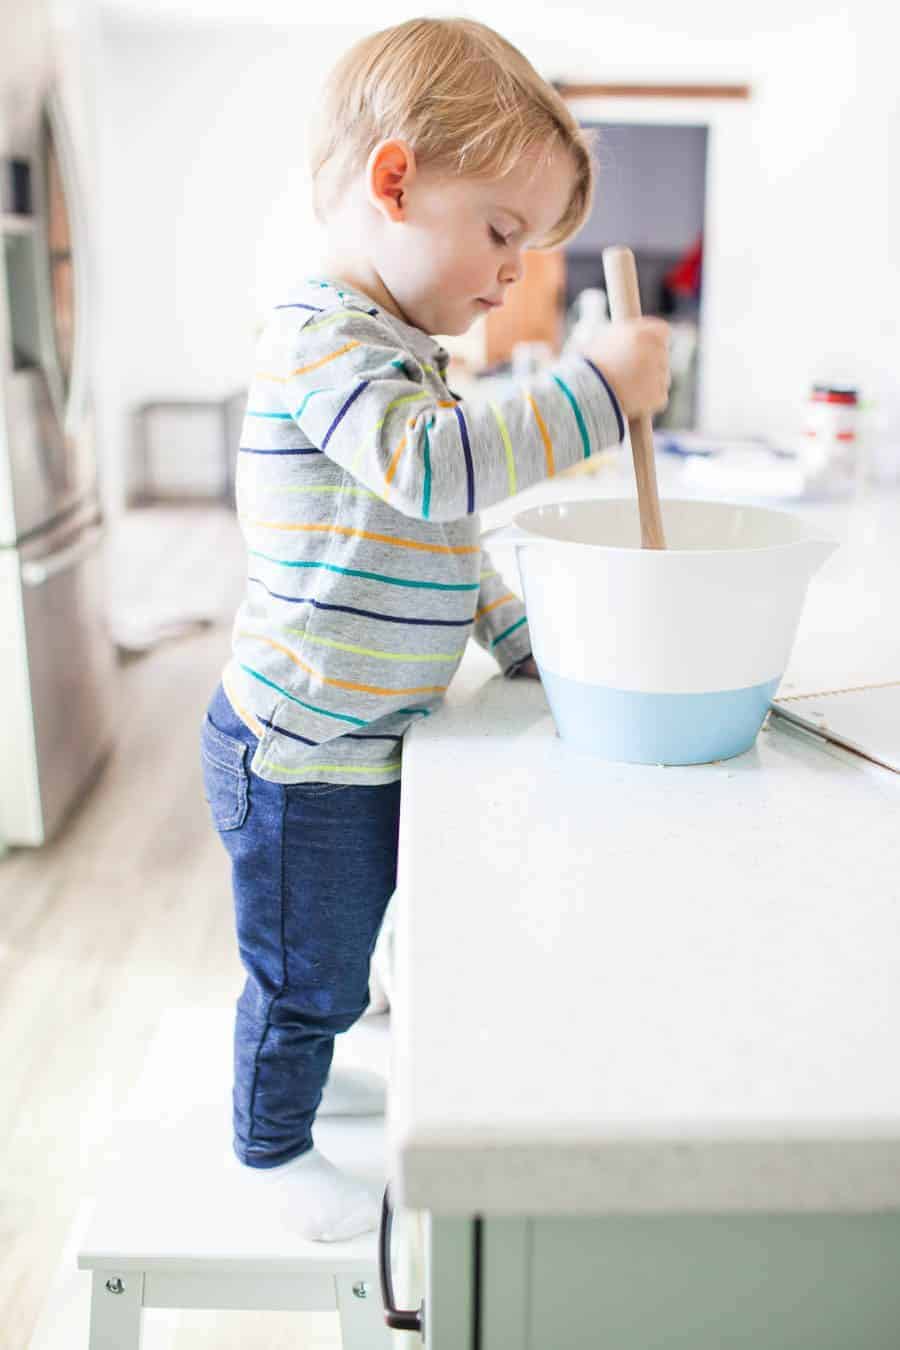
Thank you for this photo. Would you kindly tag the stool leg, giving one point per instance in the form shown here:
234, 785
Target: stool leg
116, 1303
361, 1314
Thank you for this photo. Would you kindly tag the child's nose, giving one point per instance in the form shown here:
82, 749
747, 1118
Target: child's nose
511, 270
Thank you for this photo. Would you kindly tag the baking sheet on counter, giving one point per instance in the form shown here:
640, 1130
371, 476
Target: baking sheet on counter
865, 719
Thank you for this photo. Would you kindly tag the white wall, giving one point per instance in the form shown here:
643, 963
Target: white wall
23, 56
205, 204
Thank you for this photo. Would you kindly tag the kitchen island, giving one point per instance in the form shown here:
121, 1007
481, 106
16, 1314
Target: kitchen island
647, 1019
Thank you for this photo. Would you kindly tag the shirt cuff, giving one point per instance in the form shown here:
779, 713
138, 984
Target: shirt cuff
512, 670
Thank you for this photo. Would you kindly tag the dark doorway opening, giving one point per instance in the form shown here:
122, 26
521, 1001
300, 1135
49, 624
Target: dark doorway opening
651, 196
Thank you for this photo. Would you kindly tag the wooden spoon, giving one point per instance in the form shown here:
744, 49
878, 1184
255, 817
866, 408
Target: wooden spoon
625, 303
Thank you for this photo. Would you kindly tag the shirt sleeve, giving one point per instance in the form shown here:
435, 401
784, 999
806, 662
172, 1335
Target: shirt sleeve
501, 627
361, 398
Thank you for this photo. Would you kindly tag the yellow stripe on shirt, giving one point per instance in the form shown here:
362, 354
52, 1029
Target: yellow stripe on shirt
343, 684
313, 365
504, 599
365, 534
507, 446
372, 651
545, 437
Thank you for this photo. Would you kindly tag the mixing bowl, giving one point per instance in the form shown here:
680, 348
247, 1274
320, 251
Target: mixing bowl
664, 656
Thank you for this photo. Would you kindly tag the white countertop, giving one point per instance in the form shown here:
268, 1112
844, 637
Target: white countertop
631, 989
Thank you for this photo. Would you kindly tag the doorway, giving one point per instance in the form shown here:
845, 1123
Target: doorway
651, 195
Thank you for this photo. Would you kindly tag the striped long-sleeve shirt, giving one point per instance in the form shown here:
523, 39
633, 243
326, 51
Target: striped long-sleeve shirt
359, 480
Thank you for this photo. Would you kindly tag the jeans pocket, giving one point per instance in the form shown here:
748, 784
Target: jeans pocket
224, 776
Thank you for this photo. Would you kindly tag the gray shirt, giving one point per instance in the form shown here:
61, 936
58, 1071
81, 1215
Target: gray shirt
359, 480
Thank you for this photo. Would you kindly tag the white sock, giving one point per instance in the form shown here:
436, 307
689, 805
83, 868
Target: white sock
330, 1206
353, 1092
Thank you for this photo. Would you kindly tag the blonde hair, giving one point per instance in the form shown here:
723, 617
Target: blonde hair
466, 100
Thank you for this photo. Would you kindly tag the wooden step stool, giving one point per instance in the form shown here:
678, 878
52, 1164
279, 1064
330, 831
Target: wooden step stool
181, 1223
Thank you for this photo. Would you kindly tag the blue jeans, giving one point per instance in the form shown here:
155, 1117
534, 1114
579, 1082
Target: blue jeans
313, 868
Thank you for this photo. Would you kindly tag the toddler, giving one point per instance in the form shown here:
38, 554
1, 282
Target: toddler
439, 155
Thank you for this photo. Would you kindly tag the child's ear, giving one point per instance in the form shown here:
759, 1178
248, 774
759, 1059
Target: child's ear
389, 173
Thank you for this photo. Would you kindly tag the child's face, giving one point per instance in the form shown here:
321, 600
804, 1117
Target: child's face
448, 247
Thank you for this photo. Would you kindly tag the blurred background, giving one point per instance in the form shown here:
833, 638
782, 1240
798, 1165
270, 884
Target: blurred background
187, 122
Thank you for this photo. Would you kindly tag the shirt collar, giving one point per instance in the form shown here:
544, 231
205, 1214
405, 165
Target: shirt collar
419, 342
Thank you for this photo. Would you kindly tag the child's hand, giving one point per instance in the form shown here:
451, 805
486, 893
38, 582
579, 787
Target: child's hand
528, 667
634, 356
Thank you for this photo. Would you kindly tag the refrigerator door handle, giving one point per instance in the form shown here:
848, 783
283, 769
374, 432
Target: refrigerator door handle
37, 573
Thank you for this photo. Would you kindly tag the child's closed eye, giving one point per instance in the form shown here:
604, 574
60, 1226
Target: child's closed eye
497, 238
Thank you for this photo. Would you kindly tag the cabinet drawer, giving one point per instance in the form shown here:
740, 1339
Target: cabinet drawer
697, 1282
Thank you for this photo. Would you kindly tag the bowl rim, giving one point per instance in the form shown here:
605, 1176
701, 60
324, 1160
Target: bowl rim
812, 537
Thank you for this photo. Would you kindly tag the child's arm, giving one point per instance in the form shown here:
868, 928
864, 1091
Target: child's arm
500, 624
361, 398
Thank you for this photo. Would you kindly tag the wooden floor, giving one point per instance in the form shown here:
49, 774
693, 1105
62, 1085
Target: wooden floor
127, 913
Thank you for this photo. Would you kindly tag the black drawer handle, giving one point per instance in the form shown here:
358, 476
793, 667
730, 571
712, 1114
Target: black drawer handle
398, 1318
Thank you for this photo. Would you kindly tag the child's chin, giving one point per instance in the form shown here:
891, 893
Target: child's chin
458, 325
461, 326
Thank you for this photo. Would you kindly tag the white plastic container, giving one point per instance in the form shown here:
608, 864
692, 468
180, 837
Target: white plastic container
661, 656
590, 311
832, 421
833, 446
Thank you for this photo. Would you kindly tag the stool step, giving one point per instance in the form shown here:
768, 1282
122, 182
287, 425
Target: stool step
174, 1198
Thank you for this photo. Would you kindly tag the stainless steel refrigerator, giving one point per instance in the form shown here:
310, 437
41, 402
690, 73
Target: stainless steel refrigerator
58, 673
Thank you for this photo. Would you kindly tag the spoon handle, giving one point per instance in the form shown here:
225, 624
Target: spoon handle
625, 303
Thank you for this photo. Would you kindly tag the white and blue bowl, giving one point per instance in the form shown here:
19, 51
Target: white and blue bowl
661, 656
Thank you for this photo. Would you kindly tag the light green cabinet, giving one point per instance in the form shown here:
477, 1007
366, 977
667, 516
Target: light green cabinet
693, 1282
